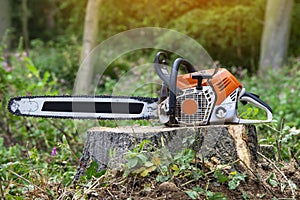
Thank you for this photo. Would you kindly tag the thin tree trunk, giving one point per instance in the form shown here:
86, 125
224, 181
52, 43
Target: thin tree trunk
25, 15
5, 22
91, 30
50, 13
276, 32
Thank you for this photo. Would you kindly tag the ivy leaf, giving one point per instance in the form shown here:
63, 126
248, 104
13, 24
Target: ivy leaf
235, 181
240, 176
272, 180
92, 170
162, 178
145, 172
215, 196
233, 184
142, 157
132, 162
200, 190
148, 164
192, 194
221, 178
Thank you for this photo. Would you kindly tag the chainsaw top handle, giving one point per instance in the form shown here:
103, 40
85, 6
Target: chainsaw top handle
161, 58
161, 68
160, 64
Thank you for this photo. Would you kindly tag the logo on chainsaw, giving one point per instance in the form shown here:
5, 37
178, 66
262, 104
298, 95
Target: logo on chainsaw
221, 112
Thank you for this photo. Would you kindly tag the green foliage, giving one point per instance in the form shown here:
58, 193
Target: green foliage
145, 160
60, 58
208, 194
294, 49
92, 171
272, 180
48, 19
25, 171
27, 163
231, 34
20, 77
279, 89
230, 30
235, 179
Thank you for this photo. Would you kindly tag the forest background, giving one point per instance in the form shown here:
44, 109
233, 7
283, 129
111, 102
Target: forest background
41, 44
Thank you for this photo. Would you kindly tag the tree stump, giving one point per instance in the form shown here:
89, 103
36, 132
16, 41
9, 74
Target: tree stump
226, 143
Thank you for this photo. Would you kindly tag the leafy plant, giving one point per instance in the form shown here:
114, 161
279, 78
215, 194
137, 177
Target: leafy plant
235, 179
280, 93
34, 152
92, 171
25, 174
145, 159
194, 194
272, 180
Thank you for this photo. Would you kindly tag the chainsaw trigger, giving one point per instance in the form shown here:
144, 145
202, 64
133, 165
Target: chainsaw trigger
244, 102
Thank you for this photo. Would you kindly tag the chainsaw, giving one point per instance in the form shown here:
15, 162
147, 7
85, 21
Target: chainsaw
191, 99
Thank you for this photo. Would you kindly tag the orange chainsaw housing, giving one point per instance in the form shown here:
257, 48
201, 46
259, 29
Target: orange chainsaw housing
223, 82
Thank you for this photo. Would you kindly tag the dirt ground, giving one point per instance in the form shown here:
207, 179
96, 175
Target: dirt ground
256, 186
284, 184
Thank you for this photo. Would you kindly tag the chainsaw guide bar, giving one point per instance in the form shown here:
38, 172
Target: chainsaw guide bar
84, 107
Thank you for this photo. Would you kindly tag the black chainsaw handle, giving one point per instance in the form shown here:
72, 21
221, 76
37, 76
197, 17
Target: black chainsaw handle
158, 57
160, 62
173, 84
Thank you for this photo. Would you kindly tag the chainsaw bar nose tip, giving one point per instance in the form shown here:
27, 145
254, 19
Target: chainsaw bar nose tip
189, 106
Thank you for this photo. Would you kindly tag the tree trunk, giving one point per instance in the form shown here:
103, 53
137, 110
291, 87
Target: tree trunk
276, 32
50, 13
25, 15
5, 22
224, 143
91, 29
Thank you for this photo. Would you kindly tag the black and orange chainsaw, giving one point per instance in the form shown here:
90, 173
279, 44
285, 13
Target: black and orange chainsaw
195, 98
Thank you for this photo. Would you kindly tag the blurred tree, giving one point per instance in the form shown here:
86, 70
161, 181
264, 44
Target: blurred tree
276, 33
25, 16
50, 14
294, 47
90, 36
5, 21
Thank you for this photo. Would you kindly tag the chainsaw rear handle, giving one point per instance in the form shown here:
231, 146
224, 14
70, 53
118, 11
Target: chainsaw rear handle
247, 97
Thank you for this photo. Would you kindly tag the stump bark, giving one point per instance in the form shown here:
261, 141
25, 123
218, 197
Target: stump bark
226, 143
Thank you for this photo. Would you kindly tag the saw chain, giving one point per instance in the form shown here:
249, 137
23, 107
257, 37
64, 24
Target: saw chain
84, 107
